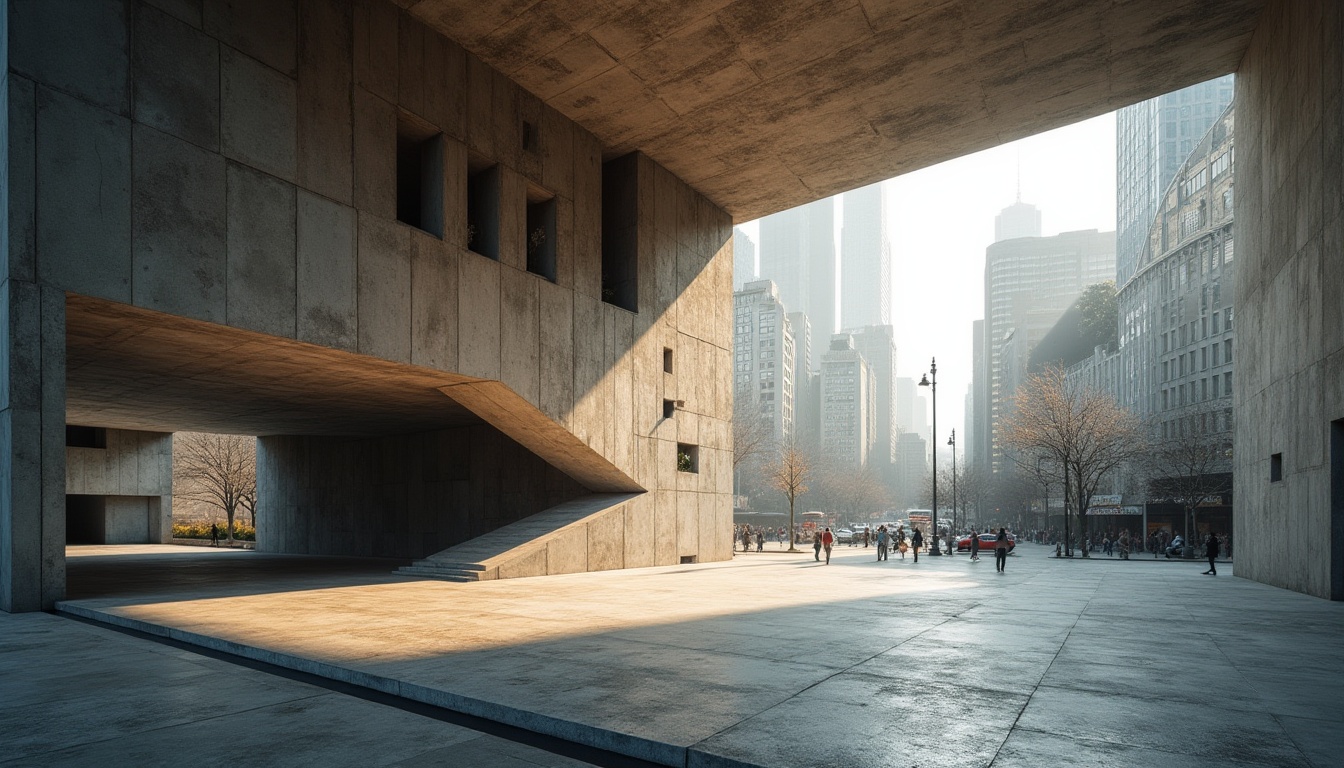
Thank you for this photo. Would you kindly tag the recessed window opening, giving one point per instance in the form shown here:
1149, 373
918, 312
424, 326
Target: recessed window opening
529, 137
688, 559
669, 408
619, 232
688, 458
540, 232
1276, 468
482, 234
667, 359
419, 175
85, 437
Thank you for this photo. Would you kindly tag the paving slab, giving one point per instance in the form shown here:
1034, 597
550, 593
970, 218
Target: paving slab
773, 659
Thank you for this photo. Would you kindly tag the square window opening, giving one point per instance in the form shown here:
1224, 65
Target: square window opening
85, 437
483, 207
688, 458
1276, 468
540, 232
688, 559
667, 359
419, 175
669, 408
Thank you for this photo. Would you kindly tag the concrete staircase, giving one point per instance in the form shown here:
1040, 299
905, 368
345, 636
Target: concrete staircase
563, 539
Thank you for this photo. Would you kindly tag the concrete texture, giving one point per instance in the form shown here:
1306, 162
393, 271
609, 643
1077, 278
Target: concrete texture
1289, 379
133, 479
78, 695
764, 105
775, 660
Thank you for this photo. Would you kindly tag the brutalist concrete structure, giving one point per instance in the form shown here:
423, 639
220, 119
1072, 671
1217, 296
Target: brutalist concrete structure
453, 261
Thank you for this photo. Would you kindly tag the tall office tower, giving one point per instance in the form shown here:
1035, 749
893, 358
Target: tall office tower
912, 469
1152, 139
764, 355
920, 417
865, 259
848, 404
877, 344
744, 259
1029, 282
966, 441
806, 417
1017, 220
977, 437
905, 404
797, 251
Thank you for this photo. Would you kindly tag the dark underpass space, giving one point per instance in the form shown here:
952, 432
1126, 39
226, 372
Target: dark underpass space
170, 572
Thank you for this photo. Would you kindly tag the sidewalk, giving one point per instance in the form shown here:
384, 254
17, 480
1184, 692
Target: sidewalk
781, 661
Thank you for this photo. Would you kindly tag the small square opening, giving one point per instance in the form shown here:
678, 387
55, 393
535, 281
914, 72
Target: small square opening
419, 175
688, 458
667, 359
85, 437
483, 207
1276, 468
669, 408
540, 232
688, 559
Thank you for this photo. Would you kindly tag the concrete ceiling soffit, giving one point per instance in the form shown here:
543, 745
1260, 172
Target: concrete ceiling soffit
766, 104
525, 424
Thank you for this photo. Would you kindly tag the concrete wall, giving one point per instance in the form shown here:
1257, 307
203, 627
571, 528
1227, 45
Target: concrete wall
1289, 379
236, 164
136, 468
402, 496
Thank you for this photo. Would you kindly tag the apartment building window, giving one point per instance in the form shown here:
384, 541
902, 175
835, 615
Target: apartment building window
1227, 350
483, 207
1227, 384
419, 175
540, 241
620, 225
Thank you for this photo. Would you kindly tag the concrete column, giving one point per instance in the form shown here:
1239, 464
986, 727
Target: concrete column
32, 446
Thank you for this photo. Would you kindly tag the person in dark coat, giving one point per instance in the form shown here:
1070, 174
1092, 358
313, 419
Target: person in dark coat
1211, 548
975, 545
916, 541
816, 546
1001, 551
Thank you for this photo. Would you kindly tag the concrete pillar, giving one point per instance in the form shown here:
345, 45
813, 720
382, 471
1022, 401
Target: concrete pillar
32, 446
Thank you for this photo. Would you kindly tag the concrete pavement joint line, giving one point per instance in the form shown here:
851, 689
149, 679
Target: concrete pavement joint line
1146, 747
1095, 588
1272, 715
705, 759
395, 695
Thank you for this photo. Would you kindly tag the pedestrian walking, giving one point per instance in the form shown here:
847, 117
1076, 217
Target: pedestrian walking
746, 538
760, 539
916, 541
1001, 551
1211, 549
214, 535
975, 546
883, 540
827, 540
816, 547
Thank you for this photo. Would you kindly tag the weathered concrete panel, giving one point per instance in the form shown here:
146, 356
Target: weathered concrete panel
325, 121
22, 178
478, 317
411, 64
519, 336
568, 551
176, 78
444, 75
127, 520
434, 297
258, 117
556, 351
263, 29
79, 48
376, 30
384, 288
84, 197
186, 10
639, 532
587, 214
375, 155
327, 275
179, 257
261, 231
606, 541
512, 219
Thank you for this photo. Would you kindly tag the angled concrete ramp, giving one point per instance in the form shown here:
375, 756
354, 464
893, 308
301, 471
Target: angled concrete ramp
568, 538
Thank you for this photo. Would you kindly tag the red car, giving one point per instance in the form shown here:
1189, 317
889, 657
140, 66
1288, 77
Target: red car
987, 541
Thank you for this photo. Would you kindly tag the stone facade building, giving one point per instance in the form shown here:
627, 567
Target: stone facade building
848, 404
764, 354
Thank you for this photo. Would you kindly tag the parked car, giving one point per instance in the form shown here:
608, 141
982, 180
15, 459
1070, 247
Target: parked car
843, 536
987, 541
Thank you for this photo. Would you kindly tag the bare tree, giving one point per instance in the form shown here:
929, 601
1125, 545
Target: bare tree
789, 476
1080, 430
1191, 466
217, 470
753, 438
857, 490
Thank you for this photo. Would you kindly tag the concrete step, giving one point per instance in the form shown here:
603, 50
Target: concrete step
443, 574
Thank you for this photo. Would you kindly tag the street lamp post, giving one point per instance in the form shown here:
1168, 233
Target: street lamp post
952, 441
933, 443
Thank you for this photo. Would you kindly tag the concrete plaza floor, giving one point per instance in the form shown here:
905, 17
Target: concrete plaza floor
775, 660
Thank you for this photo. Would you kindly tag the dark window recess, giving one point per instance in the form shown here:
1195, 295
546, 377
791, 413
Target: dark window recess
688, 559
483, 207
1276, 468
529, 137
85, 437
688, 458
620, 240
669, 408
667, 359
540, 232
419, 175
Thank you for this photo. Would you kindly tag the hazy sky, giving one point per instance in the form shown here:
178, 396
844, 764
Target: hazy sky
940, 220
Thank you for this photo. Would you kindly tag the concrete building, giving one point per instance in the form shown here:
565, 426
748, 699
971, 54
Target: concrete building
865, 259
806, 403
307, 219
1029, 282
744, 259
877, 344
848, 404
912, 469
979, 445
797, 251
764, 356
1152, 139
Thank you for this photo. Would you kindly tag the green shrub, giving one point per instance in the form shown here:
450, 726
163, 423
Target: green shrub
199, 530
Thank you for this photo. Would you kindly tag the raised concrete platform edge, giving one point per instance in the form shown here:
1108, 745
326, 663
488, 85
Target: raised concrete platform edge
622, 743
